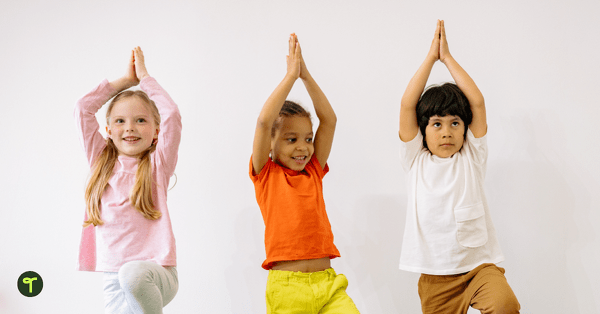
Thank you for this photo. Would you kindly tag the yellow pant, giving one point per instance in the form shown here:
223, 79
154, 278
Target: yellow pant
318, 292
484, 288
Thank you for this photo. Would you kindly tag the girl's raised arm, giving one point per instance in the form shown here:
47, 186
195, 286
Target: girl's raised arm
86, 108
466, 84
271, 108
409, 126
130, 78
169, 136
327, 118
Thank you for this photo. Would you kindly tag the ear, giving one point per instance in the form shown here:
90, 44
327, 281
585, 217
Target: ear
155, 139
108, 131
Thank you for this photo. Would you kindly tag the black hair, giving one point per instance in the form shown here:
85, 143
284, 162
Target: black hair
443, 100
289, 109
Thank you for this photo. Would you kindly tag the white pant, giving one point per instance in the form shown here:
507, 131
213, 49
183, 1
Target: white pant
139, 287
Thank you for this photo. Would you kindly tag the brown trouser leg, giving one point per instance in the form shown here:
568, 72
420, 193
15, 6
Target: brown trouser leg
484, 288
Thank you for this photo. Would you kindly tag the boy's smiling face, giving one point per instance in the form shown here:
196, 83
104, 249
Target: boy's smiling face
445, 135
292, 146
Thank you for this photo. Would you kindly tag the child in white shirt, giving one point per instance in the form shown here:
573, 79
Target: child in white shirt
449, 236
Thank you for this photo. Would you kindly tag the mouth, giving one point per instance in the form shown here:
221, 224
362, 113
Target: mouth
299, 159
131, 139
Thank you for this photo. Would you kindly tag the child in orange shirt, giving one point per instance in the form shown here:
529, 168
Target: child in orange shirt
287, 168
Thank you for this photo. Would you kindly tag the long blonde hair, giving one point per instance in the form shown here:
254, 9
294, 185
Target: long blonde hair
141, 193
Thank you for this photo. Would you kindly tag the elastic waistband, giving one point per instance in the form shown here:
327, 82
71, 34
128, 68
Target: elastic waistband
284, 275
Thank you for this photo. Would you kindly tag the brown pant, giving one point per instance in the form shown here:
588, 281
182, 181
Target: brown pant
484, 288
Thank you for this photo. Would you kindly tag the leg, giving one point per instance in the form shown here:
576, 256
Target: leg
114, 298
339, 302
443, 294
491, 293
147, 286
289, 293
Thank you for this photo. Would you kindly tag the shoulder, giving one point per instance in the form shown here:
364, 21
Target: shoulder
410, 150
475, 147
268, 169
314, 167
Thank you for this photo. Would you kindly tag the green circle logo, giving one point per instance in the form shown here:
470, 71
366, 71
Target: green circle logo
30, 284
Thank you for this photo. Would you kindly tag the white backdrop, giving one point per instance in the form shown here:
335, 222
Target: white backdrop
535, 62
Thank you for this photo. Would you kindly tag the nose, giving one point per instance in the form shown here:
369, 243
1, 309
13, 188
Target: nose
446, 132
302, 146
129, 126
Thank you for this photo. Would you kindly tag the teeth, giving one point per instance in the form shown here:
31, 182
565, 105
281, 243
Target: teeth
300, 157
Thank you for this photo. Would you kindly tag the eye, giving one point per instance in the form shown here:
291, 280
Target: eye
455, 123
291, 140
141, 120
437, 125
119, 121
309, 140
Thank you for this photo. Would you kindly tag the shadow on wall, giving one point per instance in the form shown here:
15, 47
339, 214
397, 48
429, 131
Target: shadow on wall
536, 202
245, 279
371, 248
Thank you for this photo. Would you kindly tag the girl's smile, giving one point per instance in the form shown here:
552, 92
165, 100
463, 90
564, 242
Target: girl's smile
131, 126
292, 146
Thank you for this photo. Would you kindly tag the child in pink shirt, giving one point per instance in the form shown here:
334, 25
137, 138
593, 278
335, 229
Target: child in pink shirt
127, 231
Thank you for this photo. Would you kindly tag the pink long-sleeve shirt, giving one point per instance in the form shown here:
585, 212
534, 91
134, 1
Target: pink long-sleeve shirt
126, 234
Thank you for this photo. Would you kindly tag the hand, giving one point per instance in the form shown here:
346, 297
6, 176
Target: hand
444, 52
140, 65
434, 51
130, 78
294, 59
304, 74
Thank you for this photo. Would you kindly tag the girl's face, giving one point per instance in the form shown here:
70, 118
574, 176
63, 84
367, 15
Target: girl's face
292, 146
131, 126
445, 135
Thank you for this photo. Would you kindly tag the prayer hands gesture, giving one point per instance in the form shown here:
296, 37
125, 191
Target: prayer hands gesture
444, 52
136, 69
294, 58
439, 46
139, 63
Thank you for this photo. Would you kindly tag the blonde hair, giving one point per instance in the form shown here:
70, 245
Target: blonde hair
140, 195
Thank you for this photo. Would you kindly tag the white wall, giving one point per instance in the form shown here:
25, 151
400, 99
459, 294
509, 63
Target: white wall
535, 62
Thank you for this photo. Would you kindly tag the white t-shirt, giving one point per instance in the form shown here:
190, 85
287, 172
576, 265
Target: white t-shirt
448, 226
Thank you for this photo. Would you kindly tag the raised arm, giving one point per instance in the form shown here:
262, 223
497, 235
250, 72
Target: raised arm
409, 126
86, 108
169, 136
271, 108
130, 78
466, 84
327, 119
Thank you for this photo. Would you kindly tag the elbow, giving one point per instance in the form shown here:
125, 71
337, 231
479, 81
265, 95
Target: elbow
262, 123
407, 105
77, 111
477, 103
330, 121
333, 119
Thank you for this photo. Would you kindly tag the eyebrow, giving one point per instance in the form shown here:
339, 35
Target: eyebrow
294, 133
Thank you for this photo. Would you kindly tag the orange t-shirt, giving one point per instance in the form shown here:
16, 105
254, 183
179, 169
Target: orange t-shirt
293, 209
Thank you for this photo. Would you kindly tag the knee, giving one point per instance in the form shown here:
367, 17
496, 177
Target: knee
133, 276
507, 305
